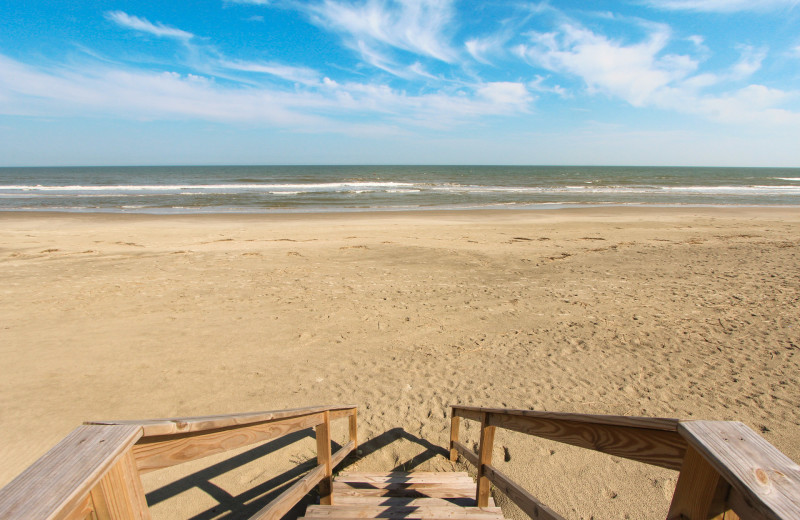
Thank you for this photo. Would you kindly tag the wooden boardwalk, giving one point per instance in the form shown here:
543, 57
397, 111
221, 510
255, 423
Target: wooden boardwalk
418, 495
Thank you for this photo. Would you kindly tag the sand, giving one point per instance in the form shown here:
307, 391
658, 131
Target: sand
665, 312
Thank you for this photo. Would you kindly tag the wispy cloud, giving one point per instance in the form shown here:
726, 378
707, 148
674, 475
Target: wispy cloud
302, 75
374, 28
644, 75
136, 94
632, 72
722, 6
485, 48
252, 2
143, 25
749, 63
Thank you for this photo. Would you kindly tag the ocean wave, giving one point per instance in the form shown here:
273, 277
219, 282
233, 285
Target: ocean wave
206, 187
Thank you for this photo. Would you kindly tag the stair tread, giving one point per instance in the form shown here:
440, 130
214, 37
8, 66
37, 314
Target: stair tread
423, 512
404, 496
408, 501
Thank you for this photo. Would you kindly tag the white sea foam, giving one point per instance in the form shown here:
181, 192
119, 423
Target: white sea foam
207, 187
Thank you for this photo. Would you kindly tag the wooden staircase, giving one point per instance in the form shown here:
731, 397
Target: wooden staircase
407, 496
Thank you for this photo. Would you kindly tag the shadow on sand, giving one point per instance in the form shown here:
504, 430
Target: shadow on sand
246, 504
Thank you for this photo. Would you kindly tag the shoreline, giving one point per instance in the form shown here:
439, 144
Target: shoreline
577, 209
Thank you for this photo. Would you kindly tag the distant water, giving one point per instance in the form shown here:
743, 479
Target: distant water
244, 189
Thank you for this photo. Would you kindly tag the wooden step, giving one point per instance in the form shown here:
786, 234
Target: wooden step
340, 500
404, 512
404, 496
412, 474
408, 478
405, 490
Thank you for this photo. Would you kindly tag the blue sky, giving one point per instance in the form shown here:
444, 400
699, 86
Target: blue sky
641, 82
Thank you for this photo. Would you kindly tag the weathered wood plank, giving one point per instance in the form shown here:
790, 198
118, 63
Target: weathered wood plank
343, 452
353, 430
467, 413
84, 511
652, 446
475, 513
151, 427
484, 459
467, 453
402, 474
527, 502
434, 491
341, 414
696, 489
163, 451
455, 422
119, 495
284, 502
59, 482
405, 501
766, 481
380, 481
651, 423
398, 486
324, 459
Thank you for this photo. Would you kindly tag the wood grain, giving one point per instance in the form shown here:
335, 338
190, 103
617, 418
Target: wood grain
467, 453
455, 422
410, 512
696, 489
767, 482
658, 447
178, 425
484, 459
119, 495
343, 452
163, 451
323, 432
353, 429
527, 502
284, 502
59, 482
650, 423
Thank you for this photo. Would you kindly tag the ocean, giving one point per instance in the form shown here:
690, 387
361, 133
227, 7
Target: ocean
266, 189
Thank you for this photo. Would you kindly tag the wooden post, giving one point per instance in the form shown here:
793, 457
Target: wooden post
119, 495
455, 422
323, 432
354, 430
484, 457
700, 493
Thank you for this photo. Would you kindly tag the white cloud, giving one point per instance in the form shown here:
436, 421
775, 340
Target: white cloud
415, 26
143, 25
135, 94
505, 93
537, 84
297, 74
482, 49
252, 2
644, 76
722, 6
749, 62
632, 72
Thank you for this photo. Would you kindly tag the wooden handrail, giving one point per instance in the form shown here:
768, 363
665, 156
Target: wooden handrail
726, 469
96, 469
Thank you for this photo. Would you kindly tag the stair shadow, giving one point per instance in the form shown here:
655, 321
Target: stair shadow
247, 503
389, 436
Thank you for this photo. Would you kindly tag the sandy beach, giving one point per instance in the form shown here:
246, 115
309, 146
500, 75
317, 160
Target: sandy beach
663, 312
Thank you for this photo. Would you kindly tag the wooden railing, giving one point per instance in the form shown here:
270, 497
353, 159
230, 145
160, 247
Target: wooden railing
727, 471
94, 472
